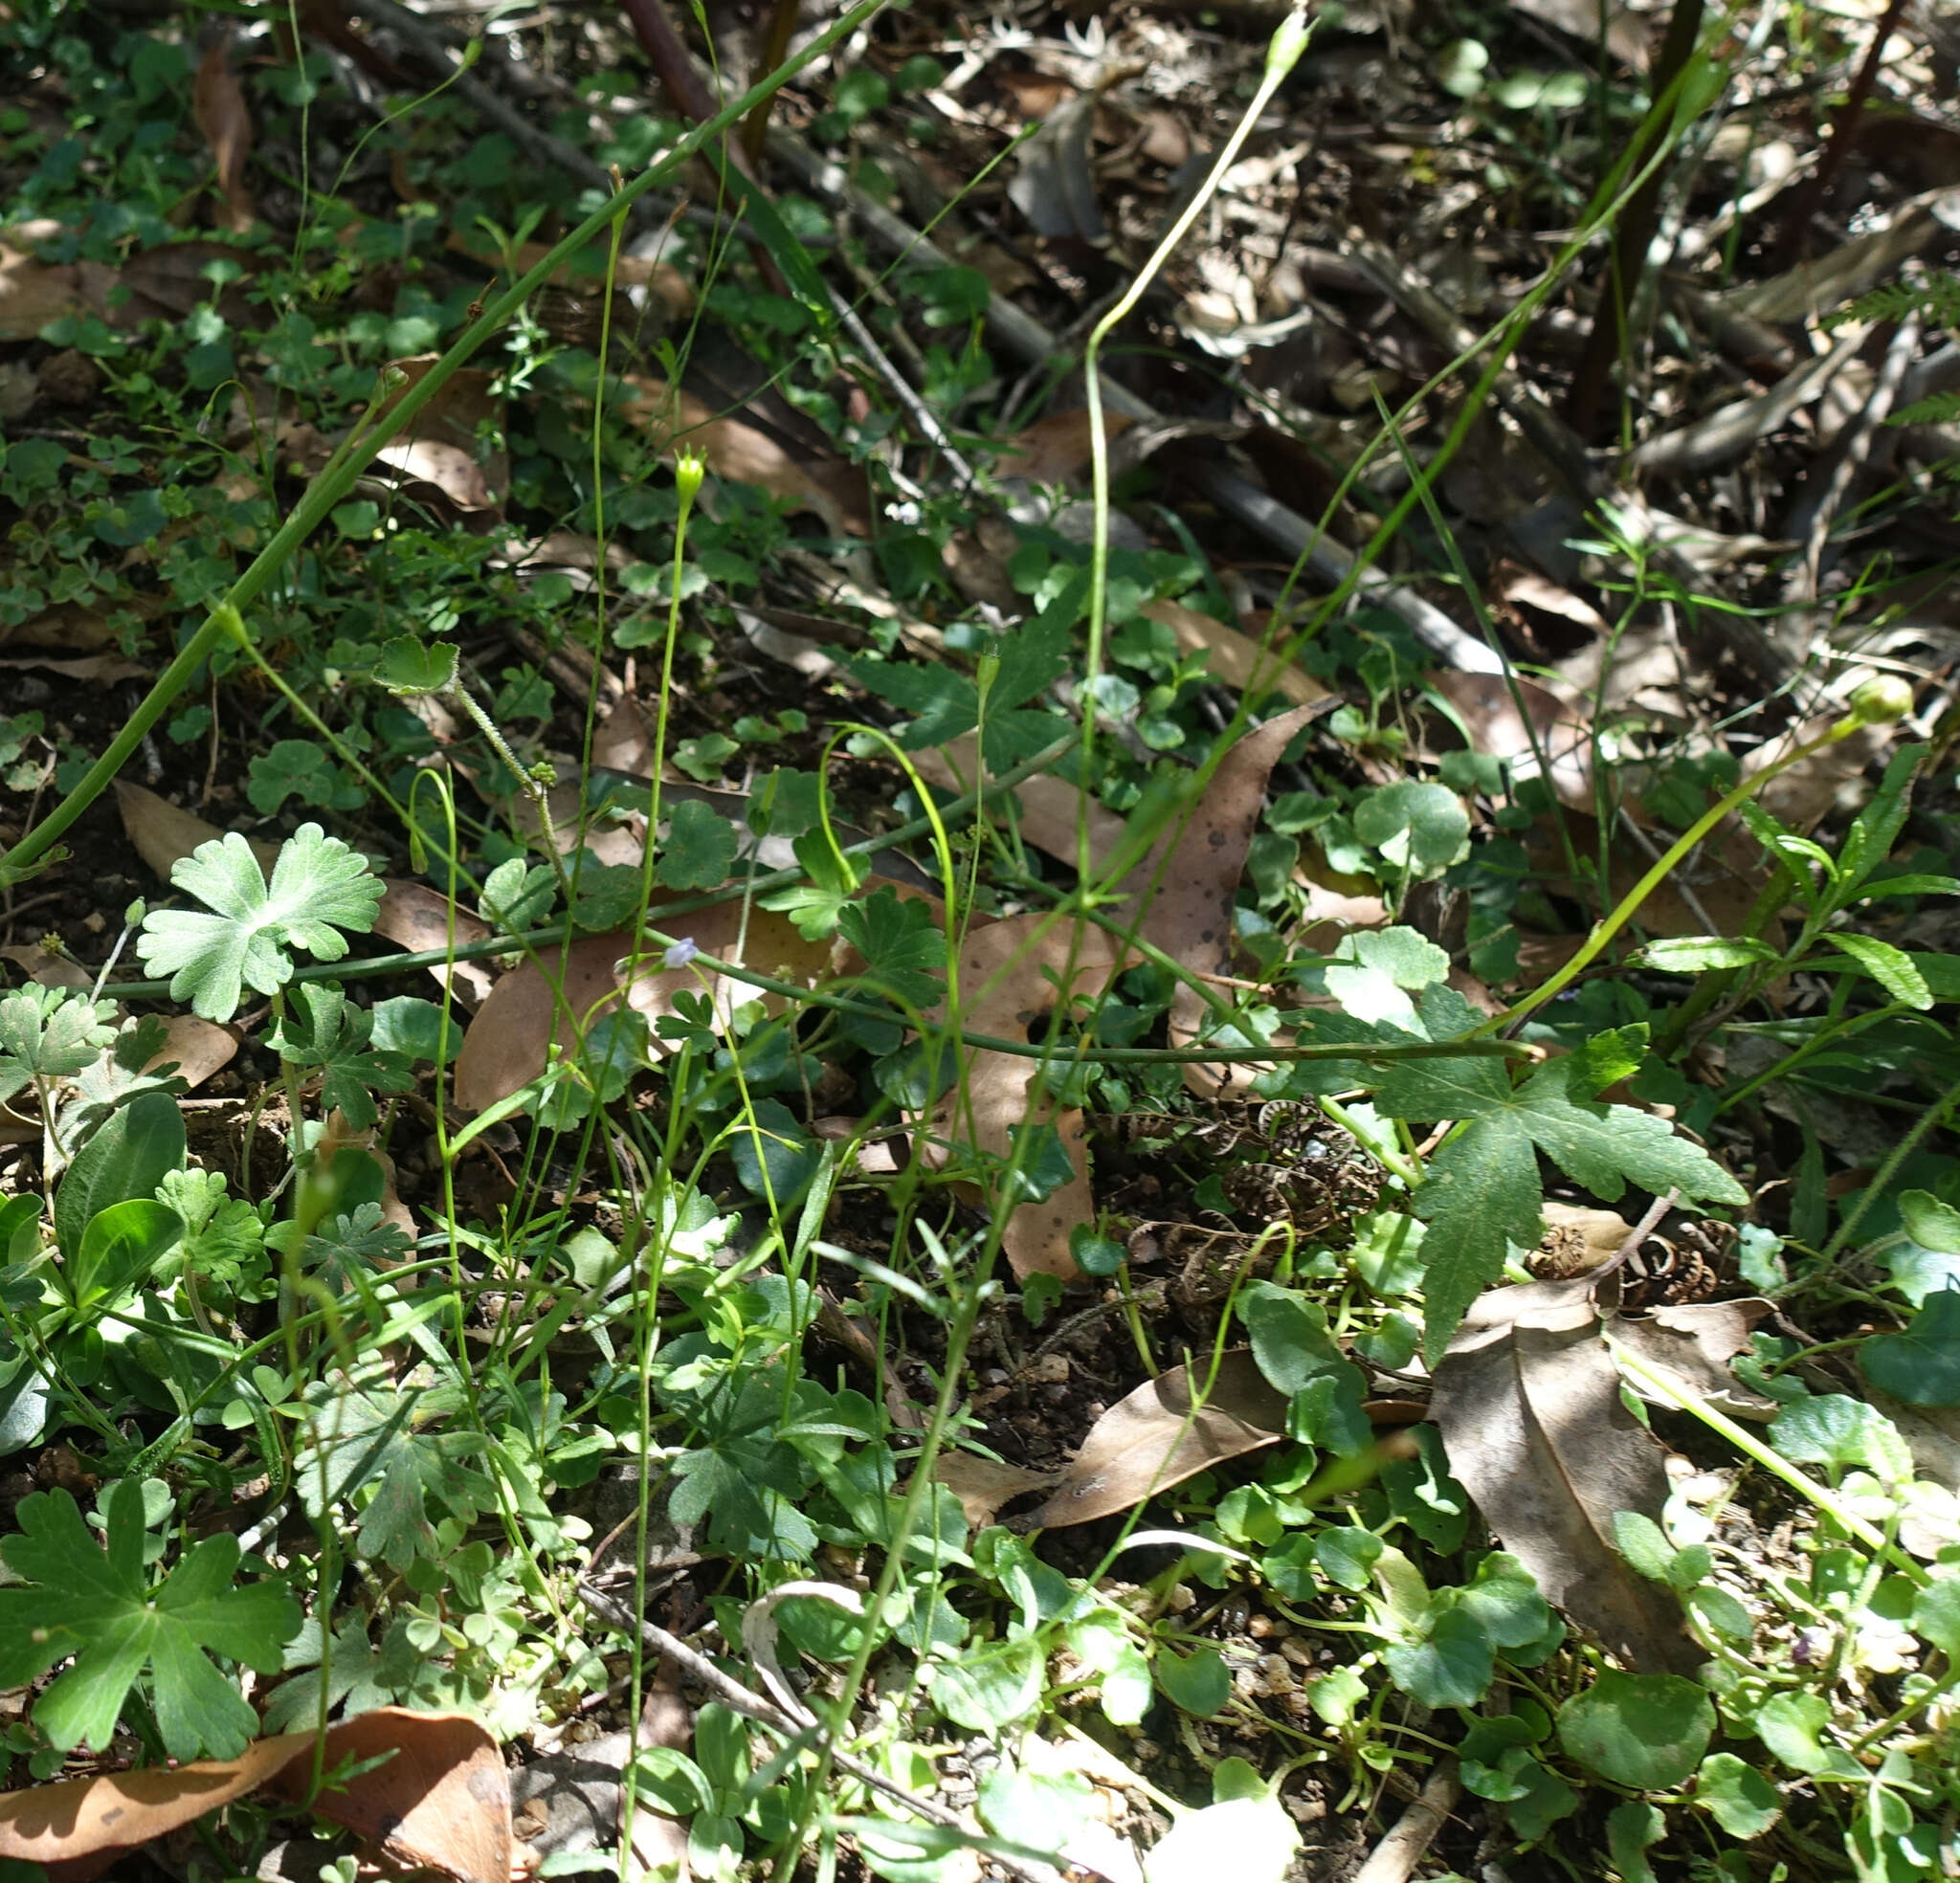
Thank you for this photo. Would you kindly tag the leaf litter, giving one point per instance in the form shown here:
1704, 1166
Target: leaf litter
1529, 1368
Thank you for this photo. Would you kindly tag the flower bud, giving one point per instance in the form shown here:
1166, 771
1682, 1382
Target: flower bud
1881, 699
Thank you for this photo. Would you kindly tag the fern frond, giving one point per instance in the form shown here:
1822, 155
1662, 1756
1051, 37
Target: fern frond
1936, 296
1942, 409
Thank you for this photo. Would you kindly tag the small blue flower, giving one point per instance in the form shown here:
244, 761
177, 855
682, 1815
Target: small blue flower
680, 953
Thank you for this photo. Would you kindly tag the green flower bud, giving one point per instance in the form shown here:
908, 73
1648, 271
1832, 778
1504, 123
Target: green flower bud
1287, 43
1881, 699
689, 469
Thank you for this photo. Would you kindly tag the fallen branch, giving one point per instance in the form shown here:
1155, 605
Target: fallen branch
732, 1695
1398, 1855
1726, 434
1022, 335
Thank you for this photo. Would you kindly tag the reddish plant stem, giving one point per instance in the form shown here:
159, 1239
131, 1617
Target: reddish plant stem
1796, 226
1610, 341
775, 49
667, 55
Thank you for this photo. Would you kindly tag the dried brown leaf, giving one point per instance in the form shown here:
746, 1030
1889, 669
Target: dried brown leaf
623, 742
744, 454
1232, 657
1626, 33
558, 999
67, 628
163, 832
1832, 779
217, 101
1528, 1401
32, 293
982, 1485
1580, 1239
48, 969
196, 1046
1559, 720
1151, 1439
441, 445
1194, 876
1049, 806
1052, 184
1056, 449
441, 1800
1693, 1343
1011, 974
92, 669
416, 918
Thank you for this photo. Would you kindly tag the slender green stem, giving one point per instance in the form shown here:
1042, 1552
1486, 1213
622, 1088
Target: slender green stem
1809, 1050
1282, 54
1921, 1127
1775, 1463
332, 484
1629, 905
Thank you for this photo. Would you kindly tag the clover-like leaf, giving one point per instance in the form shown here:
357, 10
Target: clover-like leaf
368, 1430
323, 1031
901, 945
49, 1032
319, 887
97, 1606
699, 849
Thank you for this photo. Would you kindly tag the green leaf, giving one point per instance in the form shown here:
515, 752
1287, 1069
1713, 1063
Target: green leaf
903, 947
773, 1156
1450, 1666
515, 895
413, 1028
1936, 1615
1644, 1730
1198, 1682
1038, 1810
299, 768
1876, 829
1696, 954
1251, 1840
1418, 827
1931, 1223
816, 906
991, 1687
670, 1782
1543, 1797
324, 1031
137, 1145
1044, 1166
408, 666
1348, 1555
1631, 1828
699, 847
1890, 968
1790, 1725
319, 887
95, 1605
1481, 1190
1289, 1335
366, 1429
1922, 1365
49, 1032
122, 1245
1643, 1544
1837, 1430
947, 703
1736, 1796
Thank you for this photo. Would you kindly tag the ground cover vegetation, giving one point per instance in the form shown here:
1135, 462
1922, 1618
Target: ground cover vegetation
954, 947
